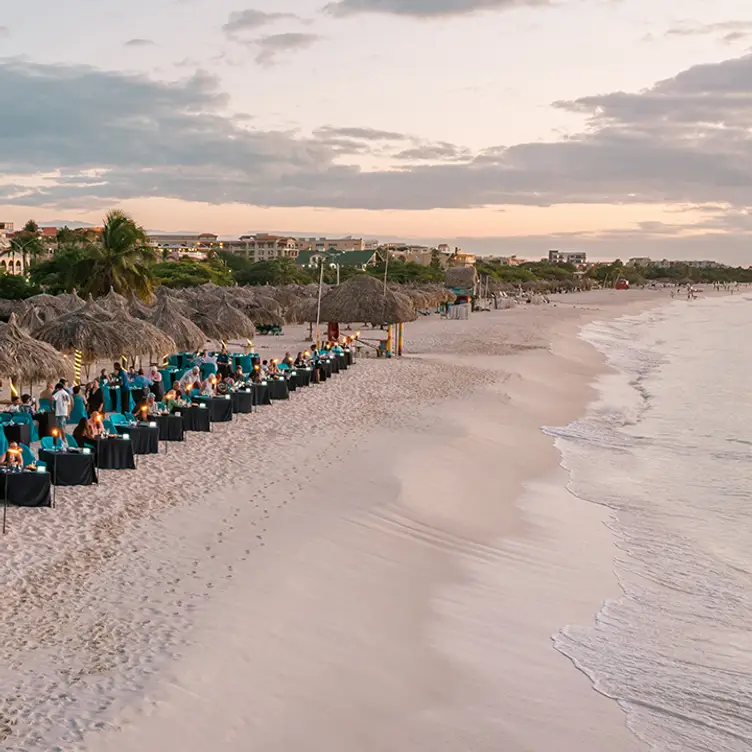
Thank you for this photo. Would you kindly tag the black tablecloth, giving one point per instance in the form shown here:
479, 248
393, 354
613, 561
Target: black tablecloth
144, 438
349, 358
261, 395
278, 389
334, 365
242, 402
26, 489
69, 468
302, 377
342, 361
113, 453
195, 418
171, 427
220, 409
46, 422
20, 432
322, 371
292, 381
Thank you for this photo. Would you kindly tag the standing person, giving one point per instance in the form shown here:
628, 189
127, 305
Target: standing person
156, 384
223, 363
46, 394
61, 402
95, 398
78, 409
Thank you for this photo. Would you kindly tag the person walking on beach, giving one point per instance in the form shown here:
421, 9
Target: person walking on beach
62, 404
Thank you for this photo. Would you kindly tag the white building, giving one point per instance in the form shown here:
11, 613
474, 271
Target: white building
10, 262
578, 258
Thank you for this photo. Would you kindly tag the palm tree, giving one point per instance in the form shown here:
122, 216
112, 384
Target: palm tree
122, 259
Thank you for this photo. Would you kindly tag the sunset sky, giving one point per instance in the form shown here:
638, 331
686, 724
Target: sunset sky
619, 127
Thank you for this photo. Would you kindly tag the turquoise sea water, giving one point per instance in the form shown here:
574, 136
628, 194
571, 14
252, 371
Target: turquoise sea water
668, 448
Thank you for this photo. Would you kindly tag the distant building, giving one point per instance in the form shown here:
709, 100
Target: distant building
180, 240
639, 261
336, 244
675, 263
577, 258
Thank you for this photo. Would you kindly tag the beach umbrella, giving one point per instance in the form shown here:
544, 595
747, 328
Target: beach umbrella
362, 298
69, 301
88, 330
10, 306
142, 336
223, 322
28, 360
113, 301
168, 316
28, 318
140, 310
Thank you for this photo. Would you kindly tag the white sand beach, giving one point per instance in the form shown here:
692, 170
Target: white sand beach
378, 564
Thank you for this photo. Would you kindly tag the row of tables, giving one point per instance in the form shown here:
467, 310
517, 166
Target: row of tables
76, 467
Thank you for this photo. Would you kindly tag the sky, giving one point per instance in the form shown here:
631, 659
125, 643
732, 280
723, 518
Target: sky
618, 127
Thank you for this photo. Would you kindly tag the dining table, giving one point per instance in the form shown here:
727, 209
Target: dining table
70, 467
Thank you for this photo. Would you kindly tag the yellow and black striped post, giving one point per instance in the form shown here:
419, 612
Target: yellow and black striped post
13, 390
78, 358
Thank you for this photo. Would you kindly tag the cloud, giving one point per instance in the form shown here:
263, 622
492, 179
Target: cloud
729, 31
4, 32
425, 8
251, 19
441, 152
139, 43
687, 140
364, 134
272, 46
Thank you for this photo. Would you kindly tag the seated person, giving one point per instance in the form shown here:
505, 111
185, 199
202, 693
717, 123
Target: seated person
287, 360
300, 361
274, 369
238, 376
26, 404
265, 367
15, 404
13, 455
80, 432
208, 387
94, 427
256, 375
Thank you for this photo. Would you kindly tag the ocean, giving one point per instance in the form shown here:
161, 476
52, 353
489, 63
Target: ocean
668, 448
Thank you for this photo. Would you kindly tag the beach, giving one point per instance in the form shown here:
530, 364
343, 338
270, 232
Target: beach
380, 563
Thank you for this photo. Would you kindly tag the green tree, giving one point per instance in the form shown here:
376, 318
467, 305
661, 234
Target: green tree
67, 268
16, 287
122, 260
190, 273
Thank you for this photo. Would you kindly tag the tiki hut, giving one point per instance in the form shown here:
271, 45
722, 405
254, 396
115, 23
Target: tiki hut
140, 310
223, 321
168, 316
69, 301
142, 336
362, 298
28, 318
48, 306
7, 307
113, 301
28, 360
88, 329
462, 278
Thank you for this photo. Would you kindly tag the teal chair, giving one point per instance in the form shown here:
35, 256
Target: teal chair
109, 426
6, 417
28, 455
71, 440
3, 443
48, 443
118, 419
46, 405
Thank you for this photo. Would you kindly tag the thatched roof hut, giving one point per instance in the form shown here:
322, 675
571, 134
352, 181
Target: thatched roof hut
142, 336
168, 316
69, 301
88, 329
28, 318
461, 277
113, 301
362, 298
302, 311
140, 310
223, 321
28, 360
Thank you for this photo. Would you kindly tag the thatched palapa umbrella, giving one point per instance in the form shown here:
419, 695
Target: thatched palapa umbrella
168, 316
88, 330
28, 360
223, 322
362, 298
29, 319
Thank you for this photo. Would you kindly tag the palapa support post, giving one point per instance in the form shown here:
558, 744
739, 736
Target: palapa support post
5, 501
389, 341
400, 338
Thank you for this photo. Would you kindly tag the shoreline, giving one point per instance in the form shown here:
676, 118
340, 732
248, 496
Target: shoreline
372, 506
